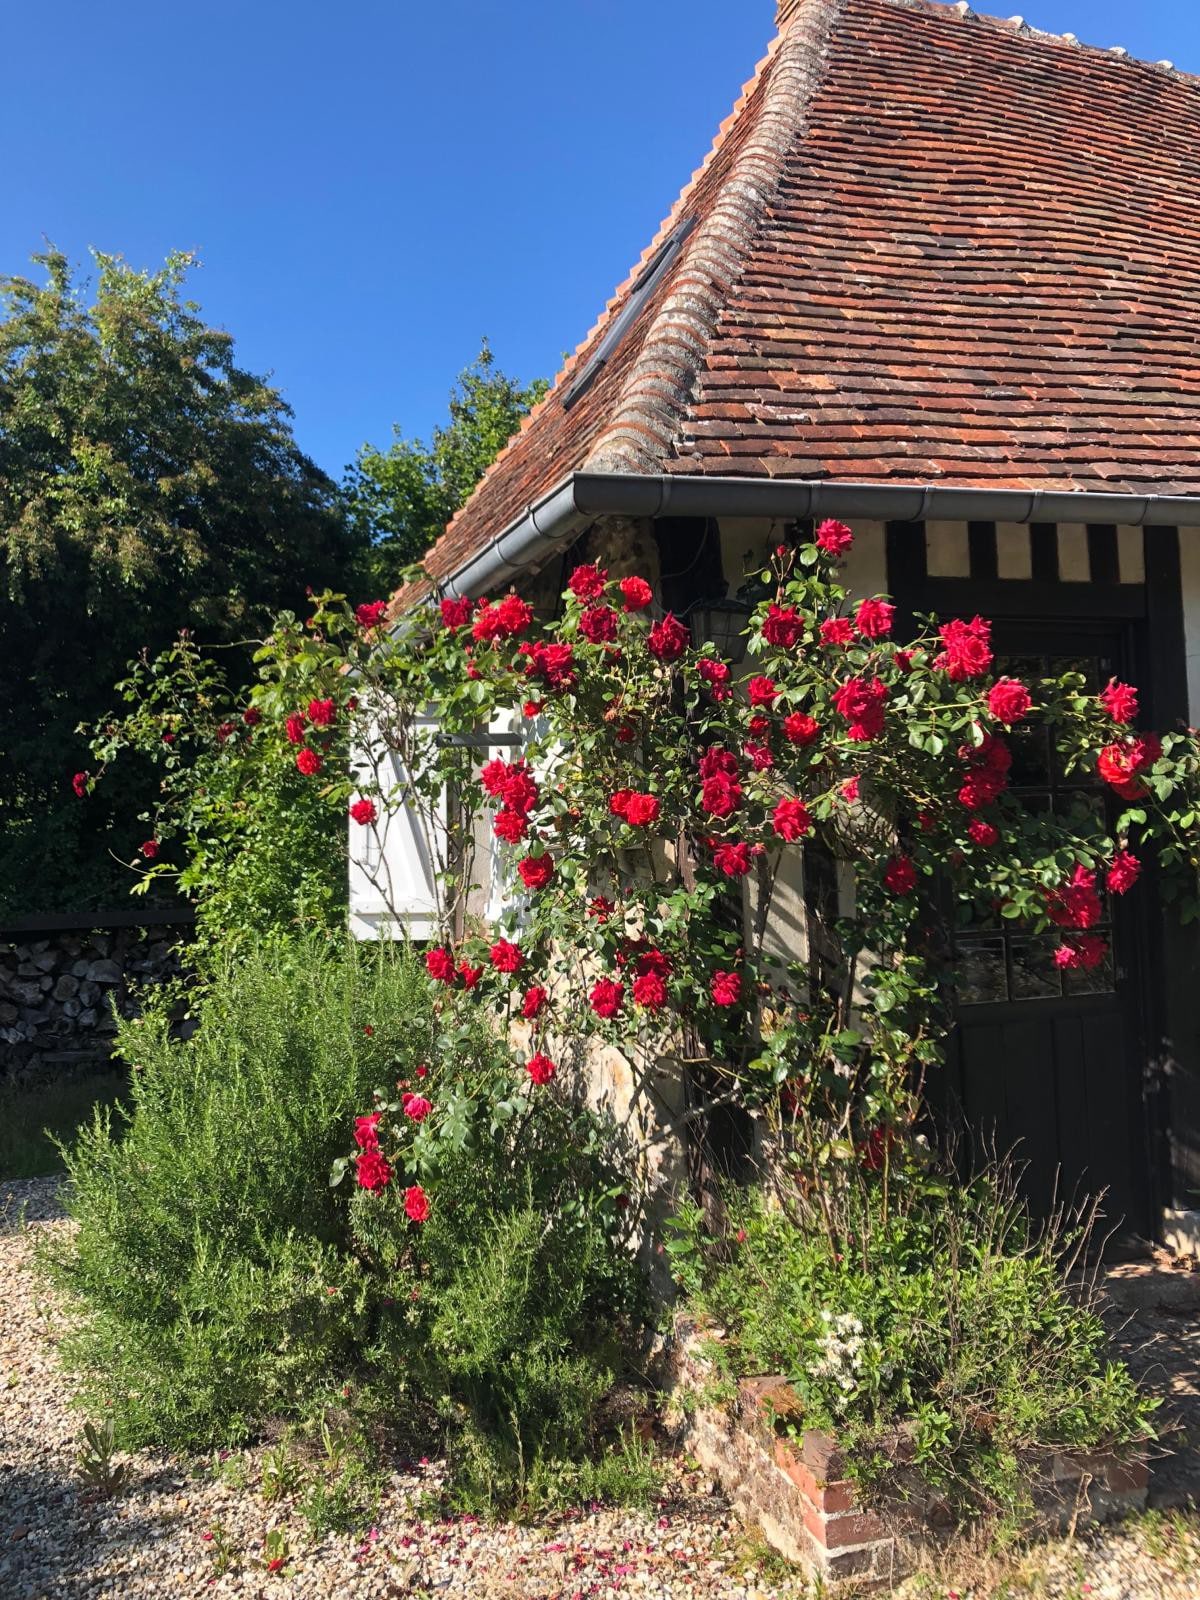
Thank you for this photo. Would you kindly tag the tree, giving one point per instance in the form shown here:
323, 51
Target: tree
147, 482
401, 498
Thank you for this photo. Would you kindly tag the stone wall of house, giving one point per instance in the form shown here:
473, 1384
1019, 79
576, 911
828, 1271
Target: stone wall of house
61, 990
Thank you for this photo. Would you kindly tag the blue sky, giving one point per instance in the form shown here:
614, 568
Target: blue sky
373, 186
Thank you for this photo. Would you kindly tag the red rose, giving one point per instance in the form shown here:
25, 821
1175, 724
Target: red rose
654, 961
456, 614
372, 1171
763, 692
552, 664
540, 1068
150, 849
599, 625
503, 621
1120, 700
493, 775
759, 726
1119, 764
366, 1131
732, 859
415, 1107
295, 726
1009, 701
534, 1002
1075, 904
1086, 953
720, 796
799, 728
252, 716
505, 956
79, 783
618, 802
726, 988
982, 833
416, 1203
371, 614
536, 871
782, 626
715, 762
322, 712
509, 825
439, 964
791, 820
226, 730
308, 762
981, 788
470, 975
759, 756
900, 875
1123, 872
873, 619
835, 538
716, 675
641, 810
606, 997
586, 583
650, 991
837, 630
849, 790
668, 639
861, 702
601, 907
636, 593
363, 812
968, 651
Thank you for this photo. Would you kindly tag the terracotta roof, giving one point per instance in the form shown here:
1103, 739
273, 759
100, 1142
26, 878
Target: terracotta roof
931, 247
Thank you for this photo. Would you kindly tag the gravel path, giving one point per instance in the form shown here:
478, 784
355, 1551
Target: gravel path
164, 1535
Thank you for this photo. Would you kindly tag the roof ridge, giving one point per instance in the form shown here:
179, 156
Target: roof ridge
553, 395
1020, 26
658, 386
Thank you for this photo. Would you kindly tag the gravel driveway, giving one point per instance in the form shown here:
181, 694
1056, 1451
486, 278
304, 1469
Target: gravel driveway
151, 1540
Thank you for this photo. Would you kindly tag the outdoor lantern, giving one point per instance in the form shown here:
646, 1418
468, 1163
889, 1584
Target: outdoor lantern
722, 624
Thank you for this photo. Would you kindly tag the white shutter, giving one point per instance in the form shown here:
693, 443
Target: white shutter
396, 861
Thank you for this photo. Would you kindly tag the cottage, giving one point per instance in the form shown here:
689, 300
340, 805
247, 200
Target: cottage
939, 276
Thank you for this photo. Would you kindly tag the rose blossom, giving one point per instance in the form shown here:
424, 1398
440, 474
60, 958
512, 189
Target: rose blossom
416, 1203
791, 820
252, 716
599, 625
1120, 700
79, 783
782, 626
799, 728
322, 713
763, 692
415, 1107
553, 665
587, 582
509, 825
835, 538
606, 997
636, 593
470, 975
308, 762
1075, 904
668, 639
1009, 701
861, 702
982, 833
536, 871
641, 810
874, 618
540, 1068
716, 675
372, 1170
534, 1002
732, 859
968, 649
439, 963
837, 630
1084, 953
650, 991
363, 812
150, 849
371, 614
366, 1131
1123, 872
600, 907
726, 988
294, 727
901, 875
849, 790
505, 956
456, 614
720, 796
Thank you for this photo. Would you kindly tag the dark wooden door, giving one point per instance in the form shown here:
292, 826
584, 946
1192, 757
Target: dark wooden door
1044, 1063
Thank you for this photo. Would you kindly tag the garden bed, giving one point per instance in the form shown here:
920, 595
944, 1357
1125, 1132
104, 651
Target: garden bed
794, 1484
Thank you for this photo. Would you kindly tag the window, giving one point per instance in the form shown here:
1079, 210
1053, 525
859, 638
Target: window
644, 286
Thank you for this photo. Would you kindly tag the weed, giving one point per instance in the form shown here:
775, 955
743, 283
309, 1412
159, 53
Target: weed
100, 1474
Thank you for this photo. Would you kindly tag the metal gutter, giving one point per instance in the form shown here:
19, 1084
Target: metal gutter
553, 522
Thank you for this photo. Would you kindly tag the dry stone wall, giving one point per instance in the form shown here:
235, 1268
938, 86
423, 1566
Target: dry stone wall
62, 990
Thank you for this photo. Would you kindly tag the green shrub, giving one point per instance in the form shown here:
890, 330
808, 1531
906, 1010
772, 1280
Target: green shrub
947, 1314
220, 1280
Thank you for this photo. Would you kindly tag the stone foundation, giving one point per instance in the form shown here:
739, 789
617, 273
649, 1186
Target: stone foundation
62, 989
798, 1494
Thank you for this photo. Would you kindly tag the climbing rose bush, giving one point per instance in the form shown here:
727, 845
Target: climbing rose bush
657, 802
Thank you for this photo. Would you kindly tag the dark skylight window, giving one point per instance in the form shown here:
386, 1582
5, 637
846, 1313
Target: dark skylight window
644, 286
